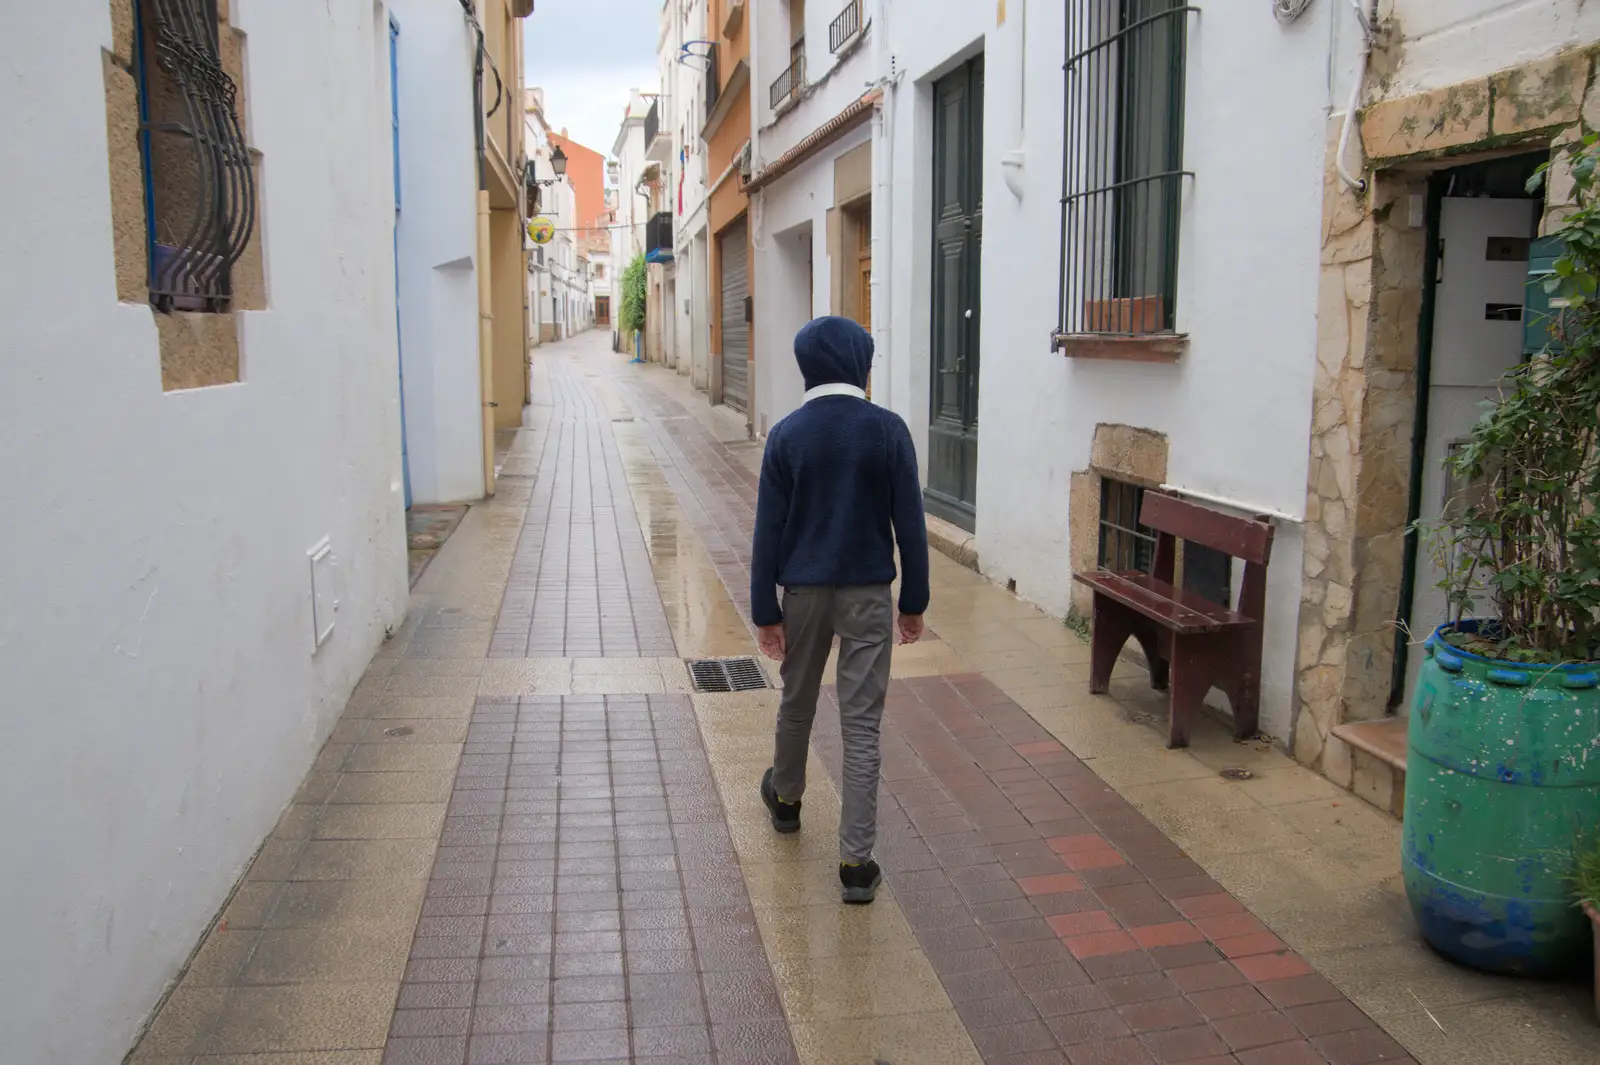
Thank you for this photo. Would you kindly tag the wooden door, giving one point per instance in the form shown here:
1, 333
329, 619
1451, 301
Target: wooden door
952, 489
858, 260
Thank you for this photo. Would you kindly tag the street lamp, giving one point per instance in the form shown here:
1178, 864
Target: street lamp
558, 163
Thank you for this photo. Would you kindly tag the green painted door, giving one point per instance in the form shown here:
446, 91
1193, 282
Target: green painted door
952, 490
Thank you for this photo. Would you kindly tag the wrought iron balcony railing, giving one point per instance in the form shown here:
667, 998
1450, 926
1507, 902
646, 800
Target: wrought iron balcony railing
843, 29
789, 83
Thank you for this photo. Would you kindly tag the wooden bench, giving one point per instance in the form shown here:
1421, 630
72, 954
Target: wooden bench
1191, 643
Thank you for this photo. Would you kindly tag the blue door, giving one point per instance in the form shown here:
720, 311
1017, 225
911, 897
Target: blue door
394, 111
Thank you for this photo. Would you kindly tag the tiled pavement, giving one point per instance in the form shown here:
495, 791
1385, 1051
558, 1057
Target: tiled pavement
580, 583
586, 904
526, 843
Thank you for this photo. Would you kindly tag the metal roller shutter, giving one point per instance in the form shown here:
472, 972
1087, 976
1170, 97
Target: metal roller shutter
735, 330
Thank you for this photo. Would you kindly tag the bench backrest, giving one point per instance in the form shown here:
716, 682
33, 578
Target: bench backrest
1244, 538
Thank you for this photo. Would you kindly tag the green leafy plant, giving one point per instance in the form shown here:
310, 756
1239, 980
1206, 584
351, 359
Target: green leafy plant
630, 315
1524, 532
1586, 873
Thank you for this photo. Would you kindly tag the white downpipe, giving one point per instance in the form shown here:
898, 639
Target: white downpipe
1369, 22
883, 206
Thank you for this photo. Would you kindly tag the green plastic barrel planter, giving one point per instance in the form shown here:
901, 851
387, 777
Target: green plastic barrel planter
1502, 778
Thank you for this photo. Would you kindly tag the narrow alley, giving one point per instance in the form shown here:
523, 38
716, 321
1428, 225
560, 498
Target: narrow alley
391, 660
529, 840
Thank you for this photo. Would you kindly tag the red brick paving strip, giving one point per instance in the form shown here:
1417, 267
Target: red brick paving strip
586, 903
1064, 925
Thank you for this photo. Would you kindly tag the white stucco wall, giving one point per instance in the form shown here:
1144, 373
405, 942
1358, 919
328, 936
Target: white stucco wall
437, 247
791, 214
1236, 409
683, 91
162, 700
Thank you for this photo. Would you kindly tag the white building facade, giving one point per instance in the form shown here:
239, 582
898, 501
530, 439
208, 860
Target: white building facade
1151, 276
684, 55
560, 299
209, 537
812, 71
682, 52
436, 237
634, 206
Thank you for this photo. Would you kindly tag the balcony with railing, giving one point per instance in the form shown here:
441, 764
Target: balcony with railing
786, 89
657, 141
844, 29
713, 79
658, 238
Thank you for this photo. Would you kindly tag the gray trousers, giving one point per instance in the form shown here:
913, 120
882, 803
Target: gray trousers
863, 619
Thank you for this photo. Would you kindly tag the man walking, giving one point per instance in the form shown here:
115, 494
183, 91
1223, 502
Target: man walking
838, 488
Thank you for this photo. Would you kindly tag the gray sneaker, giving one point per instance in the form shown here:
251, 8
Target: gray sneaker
785, 815
859, 883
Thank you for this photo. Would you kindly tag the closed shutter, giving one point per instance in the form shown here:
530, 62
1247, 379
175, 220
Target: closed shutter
735, 330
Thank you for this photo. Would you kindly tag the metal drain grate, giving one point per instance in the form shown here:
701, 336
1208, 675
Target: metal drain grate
727, 675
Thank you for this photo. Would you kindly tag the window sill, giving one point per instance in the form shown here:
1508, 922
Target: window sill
1151, 347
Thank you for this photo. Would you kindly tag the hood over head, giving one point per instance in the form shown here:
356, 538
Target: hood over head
833, 351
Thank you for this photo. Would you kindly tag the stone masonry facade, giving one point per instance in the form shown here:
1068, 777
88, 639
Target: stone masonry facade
1368, 310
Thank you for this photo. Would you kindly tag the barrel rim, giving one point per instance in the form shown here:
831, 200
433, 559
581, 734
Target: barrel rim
1437, 640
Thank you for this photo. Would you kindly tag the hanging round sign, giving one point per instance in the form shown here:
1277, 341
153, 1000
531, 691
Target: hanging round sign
541, 230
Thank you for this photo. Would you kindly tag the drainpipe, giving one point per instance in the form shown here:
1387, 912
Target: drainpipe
1013, 163
883, 206
1369, 26
485, 295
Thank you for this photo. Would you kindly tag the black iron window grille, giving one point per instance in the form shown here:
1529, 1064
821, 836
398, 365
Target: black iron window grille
788, 84
200, 194
1122, 167
1124, 543
1127, 545
843, 29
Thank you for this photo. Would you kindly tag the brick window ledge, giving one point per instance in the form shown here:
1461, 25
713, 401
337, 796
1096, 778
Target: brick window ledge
1149, 347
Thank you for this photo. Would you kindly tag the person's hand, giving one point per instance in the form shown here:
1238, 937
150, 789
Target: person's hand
910, 628
772, 641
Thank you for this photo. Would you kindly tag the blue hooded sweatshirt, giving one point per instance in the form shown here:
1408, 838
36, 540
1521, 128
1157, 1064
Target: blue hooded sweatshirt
838, 484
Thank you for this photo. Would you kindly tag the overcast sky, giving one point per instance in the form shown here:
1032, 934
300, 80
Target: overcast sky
586, 55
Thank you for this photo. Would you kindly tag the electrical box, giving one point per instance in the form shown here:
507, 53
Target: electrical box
1541, 306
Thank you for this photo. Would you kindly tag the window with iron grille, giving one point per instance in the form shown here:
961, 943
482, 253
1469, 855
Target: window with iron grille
1122, 173
199, 183
1124, 543
1127, 545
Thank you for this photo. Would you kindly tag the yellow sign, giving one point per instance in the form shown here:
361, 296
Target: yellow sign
541, 230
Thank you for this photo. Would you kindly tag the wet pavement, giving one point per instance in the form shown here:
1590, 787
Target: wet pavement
528, 841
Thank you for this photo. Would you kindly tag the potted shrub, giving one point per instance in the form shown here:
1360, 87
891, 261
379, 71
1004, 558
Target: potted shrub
1503, 768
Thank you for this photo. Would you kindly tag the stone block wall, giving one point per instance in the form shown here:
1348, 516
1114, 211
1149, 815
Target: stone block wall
1364, 397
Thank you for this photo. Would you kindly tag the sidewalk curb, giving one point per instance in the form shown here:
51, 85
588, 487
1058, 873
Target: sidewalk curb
947, 539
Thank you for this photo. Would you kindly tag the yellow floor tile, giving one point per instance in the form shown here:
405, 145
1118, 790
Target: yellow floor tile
311, 1017
915, 1039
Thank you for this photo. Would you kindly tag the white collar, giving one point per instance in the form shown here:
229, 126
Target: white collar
834, 390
